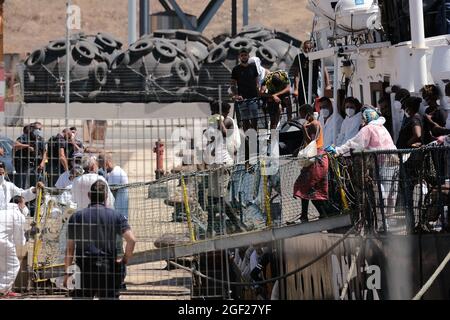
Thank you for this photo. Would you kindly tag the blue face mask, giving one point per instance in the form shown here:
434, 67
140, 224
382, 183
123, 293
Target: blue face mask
37, 133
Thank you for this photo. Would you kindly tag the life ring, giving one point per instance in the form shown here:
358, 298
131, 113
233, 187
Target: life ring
182, 70
218, 54
101, 73
36, 57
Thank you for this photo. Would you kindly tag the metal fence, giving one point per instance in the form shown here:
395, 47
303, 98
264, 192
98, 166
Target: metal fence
403, 191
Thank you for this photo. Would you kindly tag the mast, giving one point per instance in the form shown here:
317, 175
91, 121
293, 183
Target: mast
418, 43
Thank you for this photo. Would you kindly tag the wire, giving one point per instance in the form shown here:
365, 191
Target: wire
430, 281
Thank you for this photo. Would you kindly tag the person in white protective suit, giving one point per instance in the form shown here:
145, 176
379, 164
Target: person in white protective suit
374, 136
12, 241
330, 121
8, 189
352, 122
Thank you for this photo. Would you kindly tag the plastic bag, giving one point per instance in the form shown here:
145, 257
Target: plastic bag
307, 155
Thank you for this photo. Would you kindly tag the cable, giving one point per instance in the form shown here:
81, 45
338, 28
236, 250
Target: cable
430, 281
249, 284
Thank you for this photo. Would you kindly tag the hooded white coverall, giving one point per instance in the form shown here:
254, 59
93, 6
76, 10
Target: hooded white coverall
349, 129
12, 239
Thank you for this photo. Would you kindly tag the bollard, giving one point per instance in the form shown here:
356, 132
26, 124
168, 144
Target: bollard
159, 150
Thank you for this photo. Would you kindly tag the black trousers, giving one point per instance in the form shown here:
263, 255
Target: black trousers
100, 277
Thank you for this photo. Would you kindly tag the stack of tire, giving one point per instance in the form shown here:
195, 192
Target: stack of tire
89, 61
277, 50
161, 67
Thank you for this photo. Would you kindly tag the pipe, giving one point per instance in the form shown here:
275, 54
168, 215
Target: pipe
68, 54
310, 80
143, 17
245, 12
132, 16
233, 18
418, 43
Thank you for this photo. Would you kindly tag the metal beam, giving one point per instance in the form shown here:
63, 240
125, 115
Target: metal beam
143, 17
132, 13
187, 24
240, 240
233, 18
208, 14
165, 5
245, 12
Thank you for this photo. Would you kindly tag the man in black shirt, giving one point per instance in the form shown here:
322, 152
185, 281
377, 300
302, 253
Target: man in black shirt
29, 156
244, 85
301, 82
57, 155
91, 240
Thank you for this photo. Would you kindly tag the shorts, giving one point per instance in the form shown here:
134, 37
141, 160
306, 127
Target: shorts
248, 109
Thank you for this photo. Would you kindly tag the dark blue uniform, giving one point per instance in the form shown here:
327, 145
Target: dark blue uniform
95, 230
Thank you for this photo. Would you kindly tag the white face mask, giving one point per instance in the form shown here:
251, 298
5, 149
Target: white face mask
397, 105
2, 179
350, 112
324, 113
25, 211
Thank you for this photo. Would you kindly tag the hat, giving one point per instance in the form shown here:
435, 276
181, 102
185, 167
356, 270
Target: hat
370, 114
244, 49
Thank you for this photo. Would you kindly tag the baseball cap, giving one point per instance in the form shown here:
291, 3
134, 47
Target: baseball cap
244, 49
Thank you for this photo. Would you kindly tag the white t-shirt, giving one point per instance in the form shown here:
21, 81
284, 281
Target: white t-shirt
117, 176
82, 185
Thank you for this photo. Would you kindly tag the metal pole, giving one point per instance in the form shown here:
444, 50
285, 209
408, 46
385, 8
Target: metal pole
310, 80
132, 28
418, 42
143, 17
67, 97
233, 17
245, 12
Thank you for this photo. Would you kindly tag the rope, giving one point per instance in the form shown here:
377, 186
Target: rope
249, 284
430, 281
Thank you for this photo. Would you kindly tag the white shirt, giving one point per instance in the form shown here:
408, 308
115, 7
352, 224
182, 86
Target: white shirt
12, 238
331, 128
81, 186
8, 190
63, 181
349, 129
117, 176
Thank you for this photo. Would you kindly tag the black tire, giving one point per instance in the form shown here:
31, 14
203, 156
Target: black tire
267, 54
84, 51
106, 41
101, 73
57, 46
141, 47
218, 54
182, 70
122, 59
239, 43
166, 50
37, 57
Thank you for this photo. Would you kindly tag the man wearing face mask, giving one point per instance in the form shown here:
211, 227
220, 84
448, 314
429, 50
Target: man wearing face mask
330, 121
29, 156
352, 122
